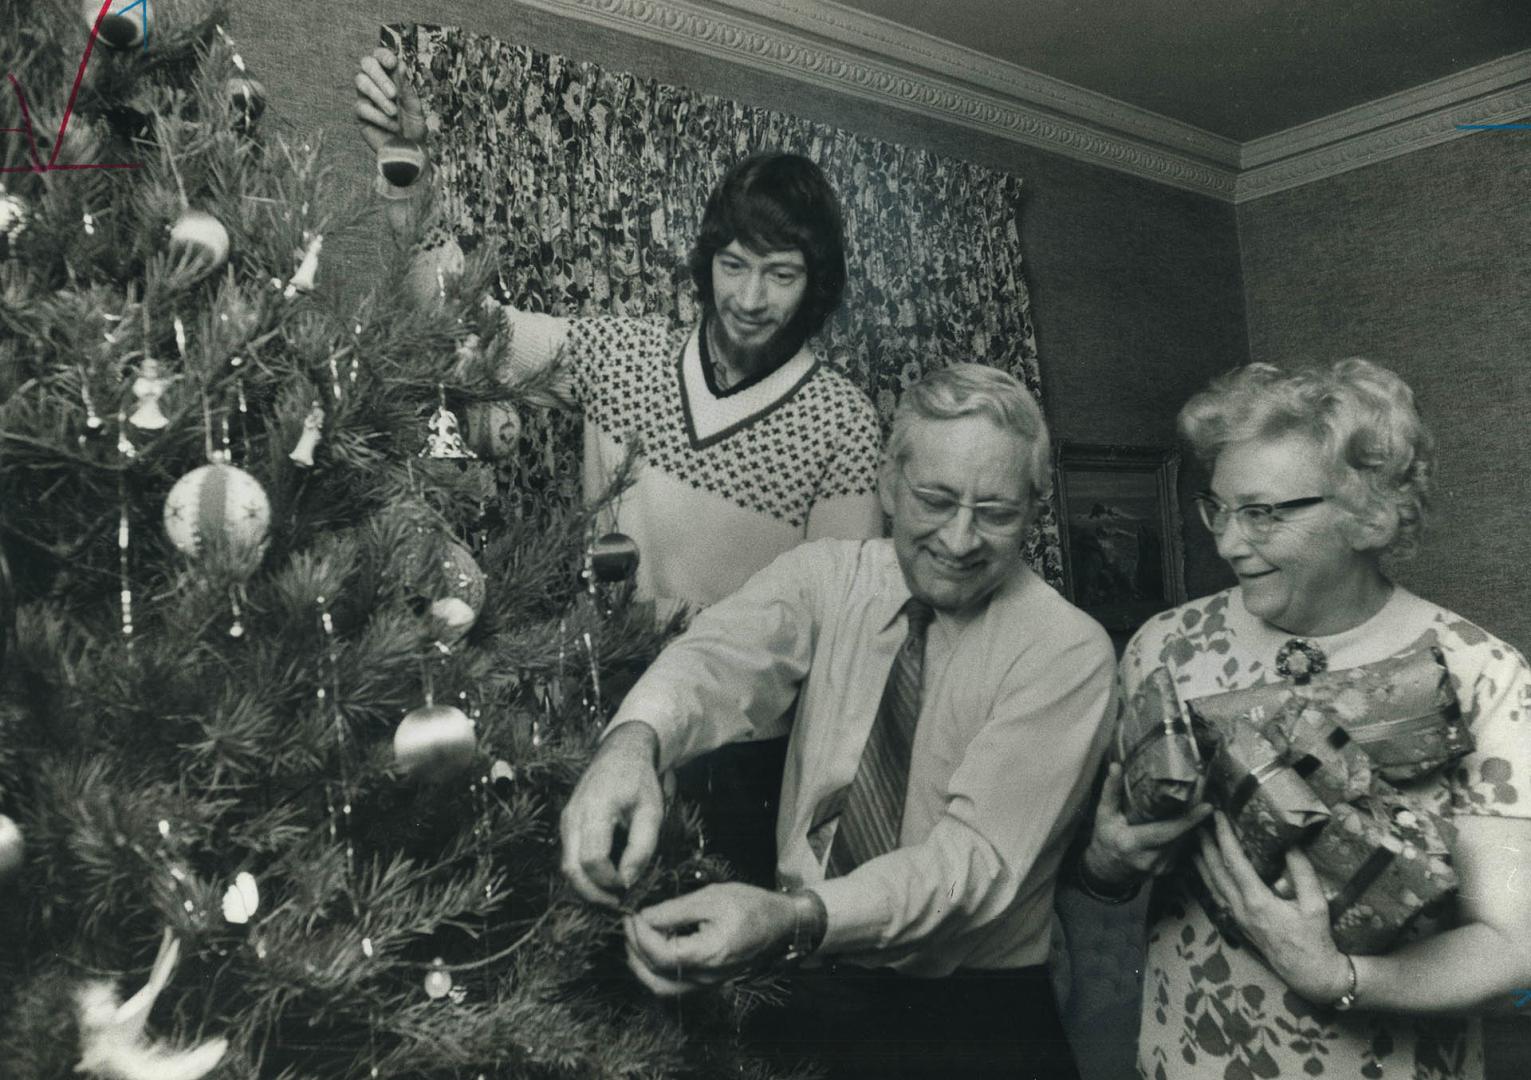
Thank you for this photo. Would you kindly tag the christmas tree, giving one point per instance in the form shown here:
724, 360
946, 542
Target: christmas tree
289, 700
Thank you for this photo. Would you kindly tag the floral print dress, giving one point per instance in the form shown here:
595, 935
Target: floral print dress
1212, 1009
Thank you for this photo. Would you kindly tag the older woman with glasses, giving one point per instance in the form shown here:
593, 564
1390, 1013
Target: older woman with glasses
1316, 476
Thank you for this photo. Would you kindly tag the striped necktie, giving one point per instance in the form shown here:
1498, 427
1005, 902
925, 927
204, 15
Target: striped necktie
874, 803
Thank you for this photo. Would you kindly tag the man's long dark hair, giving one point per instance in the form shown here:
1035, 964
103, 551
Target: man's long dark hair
774, 202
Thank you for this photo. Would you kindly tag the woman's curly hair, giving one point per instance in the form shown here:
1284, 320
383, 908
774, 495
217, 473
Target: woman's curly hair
1362, 415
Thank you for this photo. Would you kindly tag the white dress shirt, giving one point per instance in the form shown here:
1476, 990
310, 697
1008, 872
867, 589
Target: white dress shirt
1012, 727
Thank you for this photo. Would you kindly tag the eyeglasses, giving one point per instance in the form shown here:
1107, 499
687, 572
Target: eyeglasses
1256, 520
993, 516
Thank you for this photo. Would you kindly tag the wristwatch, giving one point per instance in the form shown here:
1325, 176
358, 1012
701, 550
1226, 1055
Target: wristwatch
1099, 890
809, 922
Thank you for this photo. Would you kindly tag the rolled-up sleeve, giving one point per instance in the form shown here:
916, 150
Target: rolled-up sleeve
734, 673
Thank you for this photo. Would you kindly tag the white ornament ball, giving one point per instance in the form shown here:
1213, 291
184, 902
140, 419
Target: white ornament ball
438, 981
13, 221
222, 504
451, 618
203, 235
434, 743
12, 847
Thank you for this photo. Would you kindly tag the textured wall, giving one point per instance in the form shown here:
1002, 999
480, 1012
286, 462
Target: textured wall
1423, 263
1135, 287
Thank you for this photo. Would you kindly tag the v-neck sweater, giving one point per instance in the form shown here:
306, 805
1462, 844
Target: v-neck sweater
726, 480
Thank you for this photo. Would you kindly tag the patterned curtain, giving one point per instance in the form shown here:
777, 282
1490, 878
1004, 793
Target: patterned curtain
591, 185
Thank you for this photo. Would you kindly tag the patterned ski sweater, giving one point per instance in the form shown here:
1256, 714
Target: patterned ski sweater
726, 480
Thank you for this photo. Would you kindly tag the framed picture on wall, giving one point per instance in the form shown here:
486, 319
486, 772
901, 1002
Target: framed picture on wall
1123, 553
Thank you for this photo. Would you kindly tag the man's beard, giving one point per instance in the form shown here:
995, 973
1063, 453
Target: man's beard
755, 360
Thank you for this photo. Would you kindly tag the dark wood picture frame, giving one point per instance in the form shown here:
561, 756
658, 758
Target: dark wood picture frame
1123, 545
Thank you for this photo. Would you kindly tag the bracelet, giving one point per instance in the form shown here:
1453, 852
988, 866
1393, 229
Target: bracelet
1100, 891
1348, 998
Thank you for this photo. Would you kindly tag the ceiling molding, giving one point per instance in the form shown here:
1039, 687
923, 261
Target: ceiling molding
1382, 139
1463, 88
849, 52
747, 40
888, 40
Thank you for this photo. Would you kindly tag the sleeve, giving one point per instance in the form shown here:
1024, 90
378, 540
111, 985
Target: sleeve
846, 504
737, 668
1495, 779
1006, 801
538, 356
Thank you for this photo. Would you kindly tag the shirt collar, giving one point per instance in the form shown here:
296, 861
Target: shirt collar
895, 593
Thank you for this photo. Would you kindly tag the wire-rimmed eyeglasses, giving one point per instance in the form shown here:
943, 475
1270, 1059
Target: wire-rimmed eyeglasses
991, 516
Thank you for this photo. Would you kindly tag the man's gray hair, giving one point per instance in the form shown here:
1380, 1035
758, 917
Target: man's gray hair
977, 389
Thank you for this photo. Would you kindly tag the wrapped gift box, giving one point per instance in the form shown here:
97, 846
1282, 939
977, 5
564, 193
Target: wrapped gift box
1382, 862
1401, 712
1308, 763
1270, 807
1162, 767
1307, 737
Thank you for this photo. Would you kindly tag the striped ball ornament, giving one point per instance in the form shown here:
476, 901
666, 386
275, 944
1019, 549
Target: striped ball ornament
221, 504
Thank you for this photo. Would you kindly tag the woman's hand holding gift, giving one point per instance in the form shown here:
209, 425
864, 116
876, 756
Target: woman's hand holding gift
1292, 931
1121, 853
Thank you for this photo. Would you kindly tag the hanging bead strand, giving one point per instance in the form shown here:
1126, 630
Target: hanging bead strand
125, 594
330, 694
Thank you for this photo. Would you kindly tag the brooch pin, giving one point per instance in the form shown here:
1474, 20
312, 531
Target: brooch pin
1300, 659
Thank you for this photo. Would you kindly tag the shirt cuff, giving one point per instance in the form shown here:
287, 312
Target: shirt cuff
654, 710
856, 915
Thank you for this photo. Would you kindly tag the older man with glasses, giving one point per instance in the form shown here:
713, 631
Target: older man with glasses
951, 712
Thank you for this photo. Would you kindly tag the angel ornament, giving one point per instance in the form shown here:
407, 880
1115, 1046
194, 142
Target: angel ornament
148, 388
445, 439
303, 453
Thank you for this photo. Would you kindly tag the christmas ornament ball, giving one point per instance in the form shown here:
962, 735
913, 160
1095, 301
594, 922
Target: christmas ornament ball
614, 557
13, 221
493, 430
438, 568
125, 22
400, 160
451, 618
438, 981
223, 504
198, 232
434, 743
12, 847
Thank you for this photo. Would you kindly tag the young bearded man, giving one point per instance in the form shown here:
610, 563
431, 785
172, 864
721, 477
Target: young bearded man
750, 442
